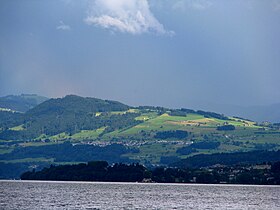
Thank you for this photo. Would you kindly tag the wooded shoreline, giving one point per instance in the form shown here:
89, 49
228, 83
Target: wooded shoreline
260, 174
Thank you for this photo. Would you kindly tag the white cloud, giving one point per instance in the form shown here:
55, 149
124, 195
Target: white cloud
63, 26
192, 4
130, 16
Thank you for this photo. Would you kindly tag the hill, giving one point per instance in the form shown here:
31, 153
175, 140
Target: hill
70, 114
20, 103
75, 129
73, 103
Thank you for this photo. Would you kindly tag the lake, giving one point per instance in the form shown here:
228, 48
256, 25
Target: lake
94, 195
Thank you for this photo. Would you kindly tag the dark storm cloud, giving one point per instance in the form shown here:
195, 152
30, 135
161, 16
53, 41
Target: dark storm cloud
224, 52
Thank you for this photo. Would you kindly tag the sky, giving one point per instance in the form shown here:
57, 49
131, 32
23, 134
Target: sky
171, 53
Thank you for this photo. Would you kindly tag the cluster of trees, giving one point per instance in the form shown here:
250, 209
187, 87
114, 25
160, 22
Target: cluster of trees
205, 145
181, 112
101, 171
212, 115
177, 134
92, 171
192, 148
158, 109
226, 128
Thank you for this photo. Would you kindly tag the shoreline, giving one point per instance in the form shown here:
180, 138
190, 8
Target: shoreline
134, 183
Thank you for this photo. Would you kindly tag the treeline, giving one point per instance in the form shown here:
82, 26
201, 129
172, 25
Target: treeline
92, 171
226, 128
192, 148
212, 115
102, 171
181, 112
184, 112
177, 134
205, 160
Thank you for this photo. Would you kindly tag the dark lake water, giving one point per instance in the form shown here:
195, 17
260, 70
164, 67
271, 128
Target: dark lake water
92, 195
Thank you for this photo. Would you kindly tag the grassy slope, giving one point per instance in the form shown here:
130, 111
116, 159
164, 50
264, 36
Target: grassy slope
199, 127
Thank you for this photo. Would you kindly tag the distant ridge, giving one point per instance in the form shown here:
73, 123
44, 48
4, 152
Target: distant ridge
21, 103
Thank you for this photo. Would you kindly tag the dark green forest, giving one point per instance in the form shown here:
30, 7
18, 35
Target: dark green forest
68, 152
204, 160
102, 171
